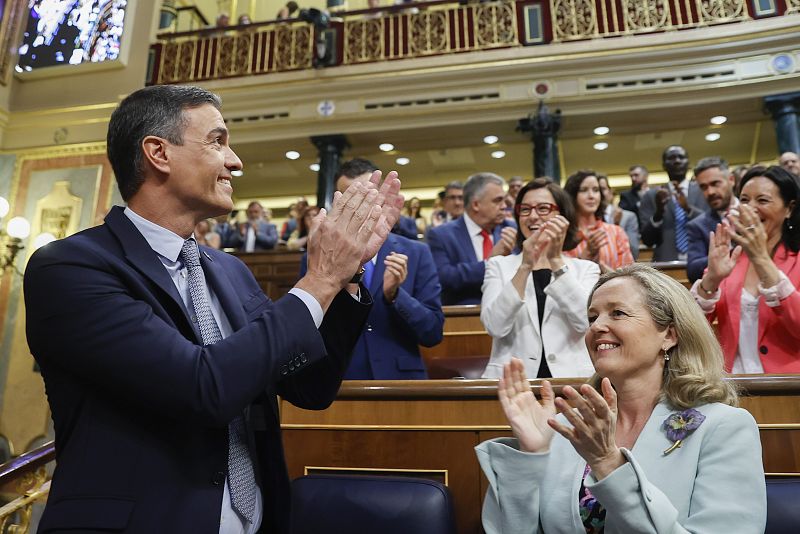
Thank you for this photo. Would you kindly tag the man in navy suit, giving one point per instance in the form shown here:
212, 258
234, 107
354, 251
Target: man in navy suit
665, 212
717, 184
255, 233
461, 248
162, 360
407, 311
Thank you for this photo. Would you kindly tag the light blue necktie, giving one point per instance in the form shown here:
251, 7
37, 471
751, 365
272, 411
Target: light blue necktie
241, 478
681, 237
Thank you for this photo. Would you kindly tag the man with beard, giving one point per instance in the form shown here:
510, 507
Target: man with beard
717, 183
665, 212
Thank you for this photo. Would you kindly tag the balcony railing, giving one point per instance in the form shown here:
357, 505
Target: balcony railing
429, 29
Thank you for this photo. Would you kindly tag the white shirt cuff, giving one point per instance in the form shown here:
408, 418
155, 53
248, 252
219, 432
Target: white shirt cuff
775, 294
656, 224
311, 303
706, 304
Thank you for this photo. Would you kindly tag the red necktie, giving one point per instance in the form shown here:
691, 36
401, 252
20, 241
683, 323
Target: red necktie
487, 244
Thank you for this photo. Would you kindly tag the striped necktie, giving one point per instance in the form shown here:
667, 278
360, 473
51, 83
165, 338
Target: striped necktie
681, 237
241, 478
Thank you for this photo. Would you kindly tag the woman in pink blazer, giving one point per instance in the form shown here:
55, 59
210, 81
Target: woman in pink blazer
754, 296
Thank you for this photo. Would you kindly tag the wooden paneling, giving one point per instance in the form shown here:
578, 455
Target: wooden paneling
275, 270
418, 426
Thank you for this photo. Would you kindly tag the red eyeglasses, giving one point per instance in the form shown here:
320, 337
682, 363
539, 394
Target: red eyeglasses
545, 208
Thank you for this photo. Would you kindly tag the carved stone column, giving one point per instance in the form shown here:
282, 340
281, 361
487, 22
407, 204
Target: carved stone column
330, 149
785, 111
543, 127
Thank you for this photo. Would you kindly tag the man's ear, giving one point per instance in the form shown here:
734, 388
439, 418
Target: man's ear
155, 153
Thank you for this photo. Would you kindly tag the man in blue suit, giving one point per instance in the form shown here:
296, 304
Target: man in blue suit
162, 360
407, 311
461, 248
717, 183
255, 233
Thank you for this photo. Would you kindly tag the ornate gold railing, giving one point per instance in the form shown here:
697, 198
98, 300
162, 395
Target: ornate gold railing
582, 19
24, 478
433, 28
214, 54
440, 29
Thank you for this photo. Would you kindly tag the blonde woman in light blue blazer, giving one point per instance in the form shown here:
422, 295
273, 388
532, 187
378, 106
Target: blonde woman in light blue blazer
662, 449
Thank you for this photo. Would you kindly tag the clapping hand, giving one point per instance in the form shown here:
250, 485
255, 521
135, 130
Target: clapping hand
527, 416
748, 232
555, 230
390, 200
505, 245
721, 260
594, 424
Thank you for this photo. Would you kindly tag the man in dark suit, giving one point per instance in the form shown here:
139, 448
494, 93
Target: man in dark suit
665, 212
162, 360
631, 199
256, 233
717, 183
407, 311
461, 248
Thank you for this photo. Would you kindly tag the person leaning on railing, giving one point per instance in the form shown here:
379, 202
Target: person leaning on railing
533, 303
752, 288
653, 443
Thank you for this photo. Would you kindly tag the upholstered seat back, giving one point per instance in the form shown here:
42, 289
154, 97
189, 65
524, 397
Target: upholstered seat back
370, 504
783, 505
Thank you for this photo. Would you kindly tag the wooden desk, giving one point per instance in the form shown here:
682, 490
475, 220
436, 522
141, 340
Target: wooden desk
429, 428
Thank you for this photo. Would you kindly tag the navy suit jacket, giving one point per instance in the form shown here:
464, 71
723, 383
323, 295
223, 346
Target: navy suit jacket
141, 408
460, 271
266, 236
697, 255
406, 227
388, 349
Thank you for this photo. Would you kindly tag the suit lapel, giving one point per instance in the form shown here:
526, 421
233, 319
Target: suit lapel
465, 242
140, 255
220, 283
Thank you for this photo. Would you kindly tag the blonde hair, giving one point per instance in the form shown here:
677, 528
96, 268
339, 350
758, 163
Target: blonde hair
694, 373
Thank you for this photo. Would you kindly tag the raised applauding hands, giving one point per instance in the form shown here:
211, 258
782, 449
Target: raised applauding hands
594, 423
721, 259
505, 245
341, 241
527, 416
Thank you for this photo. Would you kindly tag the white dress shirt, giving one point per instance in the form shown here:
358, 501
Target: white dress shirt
475, 235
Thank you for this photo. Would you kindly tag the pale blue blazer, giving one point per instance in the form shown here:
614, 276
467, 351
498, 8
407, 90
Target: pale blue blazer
714, 483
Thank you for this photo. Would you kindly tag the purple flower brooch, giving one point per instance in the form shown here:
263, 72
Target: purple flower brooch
678, 426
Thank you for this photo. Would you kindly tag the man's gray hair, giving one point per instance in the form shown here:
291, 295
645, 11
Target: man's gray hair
711, 162
477, 183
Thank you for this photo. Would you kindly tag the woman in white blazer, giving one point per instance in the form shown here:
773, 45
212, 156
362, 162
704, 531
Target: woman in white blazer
663, 450
534, 302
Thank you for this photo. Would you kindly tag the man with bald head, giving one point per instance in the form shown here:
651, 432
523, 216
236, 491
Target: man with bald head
665, 212
791, 162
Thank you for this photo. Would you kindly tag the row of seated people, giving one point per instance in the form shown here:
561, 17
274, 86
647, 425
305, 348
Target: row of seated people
532, 275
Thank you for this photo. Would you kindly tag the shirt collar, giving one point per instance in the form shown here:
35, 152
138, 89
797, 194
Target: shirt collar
684, 185
472, 227
164, 242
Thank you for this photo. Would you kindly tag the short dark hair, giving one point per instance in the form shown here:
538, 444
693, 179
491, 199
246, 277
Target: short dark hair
563, 202
573, 185
477, 183
790, 191
711, 162
356, 167
455, 184
156, 110
634, 167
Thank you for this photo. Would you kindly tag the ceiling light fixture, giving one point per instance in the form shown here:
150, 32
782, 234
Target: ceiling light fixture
713, 136
314, 167
602, 130
719, 119
497, 154
490, 139
386, 147
402, 161
600, 146
293, 154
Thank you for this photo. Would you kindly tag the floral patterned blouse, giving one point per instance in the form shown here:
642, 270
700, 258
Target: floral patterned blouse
593, 515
